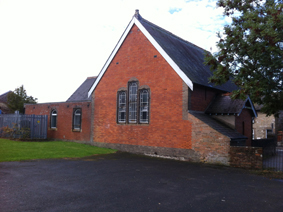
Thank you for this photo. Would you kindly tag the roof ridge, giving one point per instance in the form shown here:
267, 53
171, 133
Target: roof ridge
166, 31
91, 77
5, 93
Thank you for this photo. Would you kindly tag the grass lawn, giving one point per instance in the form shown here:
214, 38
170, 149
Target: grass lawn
18, 150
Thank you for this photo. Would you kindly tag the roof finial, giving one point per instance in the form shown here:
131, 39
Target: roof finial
137, 12
137, 15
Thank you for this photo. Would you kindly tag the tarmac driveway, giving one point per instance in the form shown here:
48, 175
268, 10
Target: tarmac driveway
126, 182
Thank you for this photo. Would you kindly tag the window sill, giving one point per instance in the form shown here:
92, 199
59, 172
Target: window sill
77, 130
134, 124
53, 128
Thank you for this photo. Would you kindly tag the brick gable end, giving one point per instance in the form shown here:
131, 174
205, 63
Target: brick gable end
139, 59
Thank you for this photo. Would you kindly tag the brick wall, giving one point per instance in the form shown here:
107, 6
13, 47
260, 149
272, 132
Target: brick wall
202, 96
262, 123
212, 146
246, 157
137, 58
64, 129
243, 124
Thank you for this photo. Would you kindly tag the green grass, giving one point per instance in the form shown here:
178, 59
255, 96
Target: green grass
11, 150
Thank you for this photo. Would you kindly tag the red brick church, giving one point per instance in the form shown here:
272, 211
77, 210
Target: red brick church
153, 96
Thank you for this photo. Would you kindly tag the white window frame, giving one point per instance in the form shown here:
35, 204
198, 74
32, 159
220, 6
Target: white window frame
144, 106
77, 116
133, 102
53, 117
122, 106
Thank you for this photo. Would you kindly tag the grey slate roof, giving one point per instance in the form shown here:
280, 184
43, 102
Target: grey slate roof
187, 56
217, 125
225, 105
3, 103
4, 97
81, 93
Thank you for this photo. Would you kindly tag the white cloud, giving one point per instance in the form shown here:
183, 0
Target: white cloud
52, 46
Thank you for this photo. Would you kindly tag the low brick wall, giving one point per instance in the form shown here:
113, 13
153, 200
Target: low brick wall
246, 157
154, 151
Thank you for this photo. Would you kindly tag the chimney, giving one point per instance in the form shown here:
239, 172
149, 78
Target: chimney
137, 15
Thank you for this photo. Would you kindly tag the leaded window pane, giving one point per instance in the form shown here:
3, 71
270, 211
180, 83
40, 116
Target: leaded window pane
144, 106
133, 90
122, 107
77, 119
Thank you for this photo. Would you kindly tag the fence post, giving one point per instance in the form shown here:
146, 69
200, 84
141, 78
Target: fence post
45, 126
32, 127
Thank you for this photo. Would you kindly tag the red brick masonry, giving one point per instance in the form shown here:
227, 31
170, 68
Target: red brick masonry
64, 130
246, 157
137, 58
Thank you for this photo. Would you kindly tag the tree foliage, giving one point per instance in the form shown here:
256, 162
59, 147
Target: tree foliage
251, 52
18, 98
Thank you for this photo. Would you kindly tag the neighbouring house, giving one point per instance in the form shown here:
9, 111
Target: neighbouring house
4, 109
153, 96
267, 126
264, 126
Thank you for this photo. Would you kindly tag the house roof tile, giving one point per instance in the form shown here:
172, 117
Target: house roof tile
184, 57
81, 93
217, 125
4, 97
189, 57
224, 104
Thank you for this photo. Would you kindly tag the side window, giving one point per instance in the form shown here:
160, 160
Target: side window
133, 92
144, 106
122, 97
77, 119
53, 119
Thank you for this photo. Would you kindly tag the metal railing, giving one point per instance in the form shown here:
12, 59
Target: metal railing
272, 154
23, 126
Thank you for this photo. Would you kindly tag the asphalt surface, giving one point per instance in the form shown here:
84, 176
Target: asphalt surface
126, 182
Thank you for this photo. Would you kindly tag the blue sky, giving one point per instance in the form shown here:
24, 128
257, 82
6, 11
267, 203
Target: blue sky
52, 46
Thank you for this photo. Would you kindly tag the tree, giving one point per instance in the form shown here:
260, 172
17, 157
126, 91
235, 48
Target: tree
250, 52
18, 98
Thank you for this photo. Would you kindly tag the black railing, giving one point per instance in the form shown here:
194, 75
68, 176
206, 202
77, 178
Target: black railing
268, 146
272, 155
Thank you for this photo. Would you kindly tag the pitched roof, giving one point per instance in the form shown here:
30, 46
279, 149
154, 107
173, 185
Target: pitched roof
184, 57
218, 126
3, 103
224, 104
4, 108
188, 56
81, 93
4, 97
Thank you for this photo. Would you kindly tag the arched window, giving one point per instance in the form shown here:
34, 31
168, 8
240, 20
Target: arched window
133, 92
122, 100
77, 119
144, 106
53, 119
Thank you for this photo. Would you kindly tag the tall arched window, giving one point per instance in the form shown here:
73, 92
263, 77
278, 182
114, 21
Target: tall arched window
133, 104
144, 106
77, 119
122, 100
53, 119
133, 92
